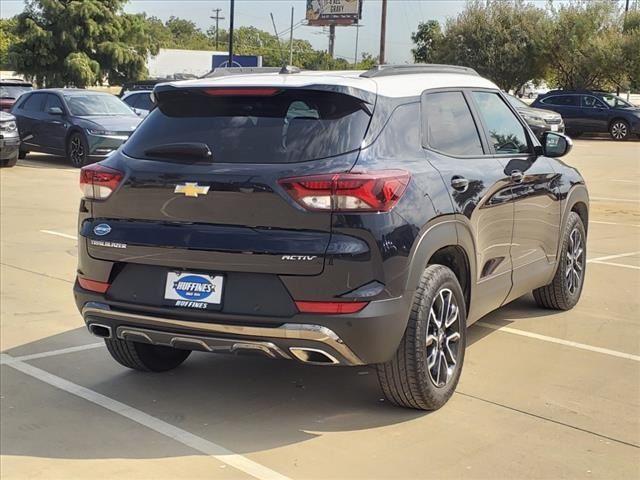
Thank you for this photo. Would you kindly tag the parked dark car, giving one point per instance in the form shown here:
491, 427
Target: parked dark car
539, 120
140, 101
9, 140
10, 91
330, 218
80, 124
587, 111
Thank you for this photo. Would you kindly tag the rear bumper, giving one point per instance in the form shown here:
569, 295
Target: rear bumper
367, 337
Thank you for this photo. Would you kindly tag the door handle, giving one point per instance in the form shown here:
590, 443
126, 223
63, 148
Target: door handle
459, 183
517, 176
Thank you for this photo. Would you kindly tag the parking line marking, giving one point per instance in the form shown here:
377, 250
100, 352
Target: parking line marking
608, 199
200, 444
614, 223
621, 265
560, 341
58, 234
611, 257
61, 351
624, 181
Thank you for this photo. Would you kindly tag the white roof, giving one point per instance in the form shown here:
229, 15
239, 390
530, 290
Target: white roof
405, 85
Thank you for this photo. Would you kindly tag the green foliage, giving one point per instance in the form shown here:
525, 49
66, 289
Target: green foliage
7, 38
427, 40
503, 41
580, 44
80, 43
587, 46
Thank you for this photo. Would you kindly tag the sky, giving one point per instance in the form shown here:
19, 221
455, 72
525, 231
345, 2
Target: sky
403, 17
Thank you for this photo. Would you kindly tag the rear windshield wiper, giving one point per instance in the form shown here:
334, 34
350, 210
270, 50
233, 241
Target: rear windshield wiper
180, 152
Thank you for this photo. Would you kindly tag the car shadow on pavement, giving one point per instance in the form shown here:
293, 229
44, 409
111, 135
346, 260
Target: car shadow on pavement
246, 404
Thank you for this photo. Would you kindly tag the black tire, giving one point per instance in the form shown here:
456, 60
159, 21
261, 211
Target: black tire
77, 150
407, 379
22, 154
145, 357
619, 130
559, 294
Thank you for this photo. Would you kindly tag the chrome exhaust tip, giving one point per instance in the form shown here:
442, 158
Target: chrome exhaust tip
102, 331
313, 356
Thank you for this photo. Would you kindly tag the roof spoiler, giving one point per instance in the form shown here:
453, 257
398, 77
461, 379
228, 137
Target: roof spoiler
227, 71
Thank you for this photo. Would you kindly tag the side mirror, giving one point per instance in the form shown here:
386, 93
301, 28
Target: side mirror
555, 145
55, 111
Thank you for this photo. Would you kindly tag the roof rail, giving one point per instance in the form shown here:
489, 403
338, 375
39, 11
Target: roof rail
389, 70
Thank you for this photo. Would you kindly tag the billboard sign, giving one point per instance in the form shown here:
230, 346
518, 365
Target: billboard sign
222, 61
333, 12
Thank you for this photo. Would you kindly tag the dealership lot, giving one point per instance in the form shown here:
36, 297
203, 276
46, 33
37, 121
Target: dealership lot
542, 395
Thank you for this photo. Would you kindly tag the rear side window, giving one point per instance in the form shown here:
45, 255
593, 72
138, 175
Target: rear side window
286, 126
506, 133
562, 100
449, 126
34, 103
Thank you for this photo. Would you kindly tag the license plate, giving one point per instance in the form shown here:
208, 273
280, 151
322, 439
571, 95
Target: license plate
193, 290
554, 128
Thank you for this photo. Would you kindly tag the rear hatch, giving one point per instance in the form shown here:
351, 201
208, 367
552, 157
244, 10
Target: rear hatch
200, 187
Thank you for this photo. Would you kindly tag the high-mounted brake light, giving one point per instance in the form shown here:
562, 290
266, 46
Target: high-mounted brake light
98, 182
241, 92
330, 307
348, 192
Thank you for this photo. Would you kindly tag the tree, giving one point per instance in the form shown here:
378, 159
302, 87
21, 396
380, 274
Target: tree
186, 35
427, 40
631, 48
504, 41
7, 38
588, 47
67, 42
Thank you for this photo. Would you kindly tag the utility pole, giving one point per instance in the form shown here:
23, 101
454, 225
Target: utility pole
332, 39
217, 18
383, 31
355, 63
230, 61
291, 40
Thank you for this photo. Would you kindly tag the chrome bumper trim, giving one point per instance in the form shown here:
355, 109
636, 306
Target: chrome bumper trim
288, 331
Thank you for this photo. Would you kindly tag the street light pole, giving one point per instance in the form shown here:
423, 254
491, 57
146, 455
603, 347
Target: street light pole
291, 40
231, 14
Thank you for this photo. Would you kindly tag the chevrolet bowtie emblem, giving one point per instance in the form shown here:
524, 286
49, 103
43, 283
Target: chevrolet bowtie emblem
192, 189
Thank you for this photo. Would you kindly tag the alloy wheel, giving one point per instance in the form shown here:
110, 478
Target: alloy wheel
575, 261
619, 130
443, 337
76, 150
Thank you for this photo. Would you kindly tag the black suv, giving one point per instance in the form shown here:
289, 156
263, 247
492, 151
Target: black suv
332, 218
585, 111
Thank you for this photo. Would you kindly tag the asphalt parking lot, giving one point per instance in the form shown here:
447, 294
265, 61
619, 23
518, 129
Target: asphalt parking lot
542, 395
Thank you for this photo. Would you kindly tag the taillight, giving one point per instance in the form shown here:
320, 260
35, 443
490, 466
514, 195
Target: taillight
98, 182
330, 308
349, 192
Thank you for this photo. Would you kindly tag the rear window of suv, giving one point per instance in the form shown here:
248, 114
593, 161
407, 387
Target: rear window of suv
283, 126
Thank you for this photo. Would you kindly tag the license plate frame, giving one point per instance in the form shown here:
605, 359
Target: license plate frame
201, 291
